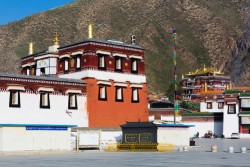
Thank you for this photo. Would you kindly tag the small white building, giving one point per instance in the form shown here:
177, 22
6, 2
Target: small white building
37, 113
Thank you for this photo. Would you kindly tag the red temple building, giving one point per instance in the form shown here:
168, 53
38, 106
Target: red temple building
116, 89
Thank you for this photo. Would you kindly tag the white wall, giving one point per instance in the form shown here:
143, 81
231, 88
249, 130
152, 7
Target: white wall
204, 127
170, 118
106, 76
203, 107
230, 122
19, 139
100, 138
172, 135
1, 138
31, 113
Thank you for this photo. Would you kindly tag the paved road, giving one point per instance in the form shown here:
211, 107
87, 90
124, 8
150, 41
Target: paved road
196, 157
222, 144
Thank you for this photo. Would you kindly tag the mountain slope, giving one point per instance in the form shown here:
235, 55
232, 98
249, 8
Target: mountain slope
211, 32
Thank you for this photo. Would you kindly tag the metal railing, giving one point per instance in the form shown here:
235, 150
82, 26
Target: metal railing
140, 147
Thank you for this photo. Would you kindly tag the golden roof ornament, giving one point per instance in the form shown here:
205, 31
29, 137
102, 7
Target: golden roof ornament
204, 68
90, 31
31, 48
56, 38
204, 71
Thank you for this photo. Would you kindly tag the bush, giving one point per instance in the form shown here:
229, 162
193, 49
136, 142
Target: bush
190, 105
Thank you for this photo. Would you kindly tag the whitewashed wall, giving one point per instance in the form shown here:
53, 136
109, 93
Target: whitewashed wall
106, 76
230, 122
170, 135
20, 139
98, 138
170, 118
203, 107
204, 127
31, 113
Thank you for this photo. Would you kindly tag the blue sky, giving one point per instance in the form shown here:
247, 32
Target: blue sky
12, 10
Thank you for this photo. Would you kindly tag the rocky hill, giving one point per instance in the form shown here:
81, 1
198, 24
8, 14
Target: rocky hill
211, 32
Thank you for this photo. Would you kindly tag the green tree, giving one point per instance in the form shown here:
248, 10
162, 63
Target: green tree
190, 105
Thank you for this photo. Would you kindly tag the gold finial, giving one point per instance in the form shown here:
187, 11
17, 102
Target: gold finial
205, 85
204, 69
90, 31
56, 39
31, 48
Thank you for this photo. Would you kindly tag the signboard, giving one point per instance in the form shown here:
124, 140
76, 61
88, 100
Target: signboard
130, 138
245, 103
245, 120
46, 128
145, 138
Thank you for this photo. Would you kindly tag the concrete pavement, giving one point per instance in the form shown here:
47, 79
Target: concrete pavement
199, 156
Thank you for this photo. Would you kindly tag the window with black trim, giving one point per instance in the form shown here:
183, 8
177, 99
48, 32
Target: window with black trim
78, 62
14, 99
118, 64
134, 66
135, 95
222, 83
209, 105
28, 71
220, 105
44, 100
72, 101
231, 108
101, 62
66, 65
211, 83
42, 71
119, 94
102, 93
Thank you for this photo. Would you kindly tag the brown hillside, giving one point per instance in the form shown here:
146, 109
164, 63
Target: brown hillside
211, 32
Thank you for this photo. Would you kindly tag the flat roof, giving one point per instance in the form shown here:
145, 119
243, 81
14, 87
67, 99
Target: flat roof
46, 78
112, 42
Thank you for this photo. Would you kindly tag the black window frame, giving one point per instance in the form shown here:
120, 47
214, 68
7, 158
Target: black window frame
105, 64
66, 71
69, 101
134, 71
211, 103
28, 69
18, 105
48, 98
42, 71
219, 105
99, 93
78, 68
118, 58
116, 97
234, 105
138, 96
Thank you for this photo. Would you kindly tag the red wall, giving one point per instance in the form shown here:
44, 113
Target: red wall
111, 113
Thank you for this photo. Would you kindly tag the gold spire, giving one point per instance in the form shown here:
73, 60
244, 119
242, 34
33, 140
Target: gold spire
205, 85
31, 48
90, 28
230, 85
56, 39
204, 69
